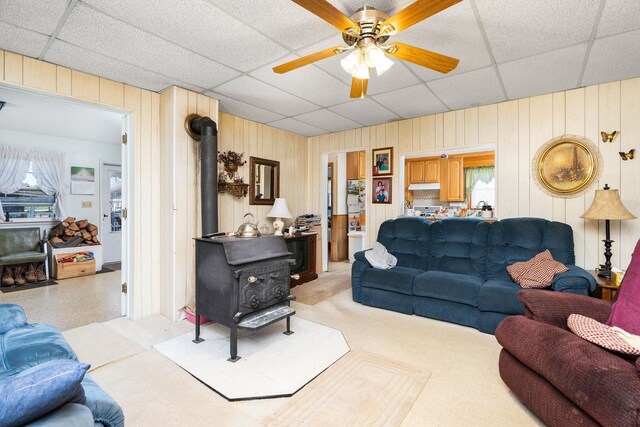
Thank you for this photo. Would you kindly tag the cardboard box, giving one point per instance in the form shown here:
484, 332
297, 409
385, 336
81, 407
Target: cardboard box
66, 270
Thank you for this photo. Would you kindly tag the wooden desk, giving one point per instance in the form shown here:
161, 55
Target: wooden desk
605, 288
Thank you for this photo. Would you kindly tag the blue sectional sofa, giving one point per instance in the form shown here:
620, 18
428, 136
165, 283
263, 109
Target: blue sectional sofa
26, 349
455, 269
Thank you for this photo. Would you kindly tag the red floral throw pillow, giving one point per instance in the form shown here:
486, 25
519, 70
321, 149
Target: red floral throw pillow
538, 272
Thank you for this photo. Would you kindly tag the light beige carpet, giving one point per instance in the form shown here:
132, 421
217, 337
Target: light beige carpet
361, 389
326, 286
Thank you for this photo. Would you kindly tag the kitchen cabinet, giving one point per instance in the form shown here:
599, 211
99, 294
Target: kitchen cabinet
425, 171
452, 179
356, 165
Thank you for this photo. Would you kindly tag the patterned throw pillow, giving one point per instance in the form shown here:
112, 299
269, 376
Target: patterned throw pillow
538, 272
599, 334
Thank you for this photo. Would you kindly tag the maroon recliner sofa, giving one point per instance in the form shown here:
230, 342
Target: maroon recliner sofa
564, 379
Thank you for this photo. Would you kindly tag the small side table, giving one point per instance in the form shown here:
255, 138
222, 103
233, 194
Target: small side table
605, 288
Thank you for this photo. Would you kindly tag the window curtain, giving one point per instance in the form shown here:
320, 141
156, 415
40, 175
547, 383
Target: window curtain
14, 165
48, 168
473, 175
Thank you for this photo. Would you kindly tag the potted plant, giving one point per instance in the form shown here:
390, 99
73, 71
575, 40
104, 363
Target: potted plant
231, 160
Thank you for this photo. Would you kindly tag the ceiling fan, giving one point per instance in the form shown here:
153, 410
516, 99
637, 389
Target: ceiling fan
365, 33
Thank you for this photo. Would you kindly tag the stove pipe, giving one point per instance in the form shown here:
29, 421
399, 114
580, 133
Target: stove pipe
204, 129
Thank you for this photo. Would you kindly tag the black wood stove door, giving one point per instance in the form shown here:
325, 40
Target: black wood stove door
263, 286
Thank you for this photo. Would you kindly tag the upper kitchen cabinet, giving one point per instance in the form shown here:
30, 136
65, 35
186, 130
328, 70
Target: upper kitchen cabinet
356, 165
452, 179
424, 171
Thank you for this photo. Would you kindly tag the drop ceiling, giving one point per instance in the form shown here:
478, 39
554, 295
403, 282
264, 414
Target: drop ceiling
508, 49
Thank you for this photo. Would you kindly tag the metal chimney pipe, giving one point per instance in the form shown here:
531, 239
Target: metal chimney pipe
204, 129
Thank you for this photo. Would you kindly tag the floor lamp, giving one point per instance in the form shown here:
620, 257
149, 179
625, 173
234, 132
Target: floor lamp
607, 206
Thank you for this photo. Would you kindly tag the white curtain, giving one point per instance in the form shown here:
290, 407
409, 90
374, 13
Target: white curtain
49, 170
14, 165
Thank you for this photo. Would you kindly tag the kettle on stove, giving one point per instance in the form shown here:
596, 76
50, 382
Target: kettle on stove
248, 228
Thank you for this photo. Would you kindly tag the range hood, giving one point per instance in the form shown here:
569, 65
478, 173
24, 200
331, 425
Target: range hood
434, 186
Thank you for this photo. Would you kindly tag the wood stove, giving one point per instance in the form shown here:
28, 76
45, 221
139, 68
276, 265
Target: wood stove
242, 283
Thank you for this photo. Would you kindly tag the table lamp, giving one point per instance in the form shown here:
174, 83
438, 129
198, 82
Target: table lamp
279, 211
607, 206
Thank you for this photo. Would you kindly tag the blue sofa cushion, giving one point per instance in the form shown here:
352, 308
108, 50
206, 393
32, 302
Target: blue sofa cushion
408, 240
459, 245
32, 344
41, 389
106, 411
500, 296
396, 279
520, 239
71, 414
11, 316
442, 285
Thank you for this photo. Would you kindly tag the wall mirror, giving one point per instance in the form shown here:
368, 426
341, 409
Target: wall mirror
264, 187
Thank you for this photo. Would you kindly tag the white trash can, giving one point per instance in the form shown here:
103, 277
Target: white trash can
356, 243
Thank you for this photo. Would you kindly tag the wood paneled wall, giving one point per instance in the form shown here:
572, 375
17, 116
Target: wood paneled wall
180, 161
517, 128
258, 140
144, 105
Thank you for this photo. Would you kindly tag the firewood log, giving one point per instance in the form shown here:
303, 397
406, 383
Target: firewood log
93, 232
56, 240
85, 235
67, 238
82, 223
74, 227
95, 239
57, 230
91, 227
68, 232
70, 219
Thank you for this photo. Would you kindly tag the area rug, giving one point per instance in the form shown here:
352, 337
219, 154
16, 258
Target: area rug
7, 289
326, 286
100, 345
272, 364
361, 389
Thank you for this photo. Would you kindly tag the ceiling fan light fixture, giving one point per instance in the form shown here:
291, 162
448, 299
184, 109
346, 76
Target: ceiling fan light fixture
362, 71
351, 62
383, 64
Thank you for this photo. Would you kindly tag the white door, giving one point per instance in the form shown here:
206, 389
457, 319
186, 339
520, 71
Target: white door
111, 202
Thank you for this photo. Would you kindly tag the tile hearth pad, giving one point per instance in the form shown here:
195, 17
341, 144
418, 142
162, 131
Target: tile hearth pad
272, 364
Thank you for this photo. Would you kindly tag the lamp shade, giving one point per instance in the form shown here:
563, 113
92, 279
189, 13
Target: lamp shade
607, 205
279, 210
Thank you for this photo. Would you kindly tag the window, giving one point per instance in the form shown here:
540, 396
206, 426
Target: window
29, 202
483, 192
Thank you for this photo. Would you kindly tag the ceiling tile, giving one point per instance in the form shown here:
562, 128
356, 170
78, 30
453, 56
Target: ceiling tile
327, 120
297, 127
611, 59
283, 21
365, 111
310, 83
244, 110
262, 95
411, 101
21, 41
452, 32
468, 89
544, 73
619, 16
37, 15
521, 28
97, 32
83, 60
199, 26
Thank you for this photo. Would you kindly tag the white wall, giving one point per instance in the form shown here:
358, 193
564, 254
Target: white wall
77, 153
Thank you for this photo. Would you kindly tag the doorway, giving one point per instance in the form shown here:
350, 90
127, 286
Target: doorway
111, 209
330, 180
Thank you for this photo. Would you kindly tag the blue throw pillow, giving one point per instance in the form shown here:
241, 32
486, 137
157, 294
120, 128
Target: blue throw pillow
38, 390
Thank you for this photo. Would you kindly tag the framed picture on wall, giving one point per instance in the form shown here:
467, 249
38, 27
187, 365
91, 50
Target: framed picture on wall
382, 161
382, 190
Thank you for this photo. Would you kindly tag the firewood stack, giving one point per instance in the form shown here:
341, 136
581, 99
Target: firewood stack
74, 233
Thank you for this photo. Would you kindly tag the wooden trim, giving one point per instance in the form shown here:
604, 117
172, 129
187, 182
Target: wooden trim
339, 241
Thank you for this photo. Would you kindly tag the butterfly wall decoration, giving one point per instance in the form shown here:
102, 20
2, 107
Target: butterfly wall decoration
627, 156
609, 137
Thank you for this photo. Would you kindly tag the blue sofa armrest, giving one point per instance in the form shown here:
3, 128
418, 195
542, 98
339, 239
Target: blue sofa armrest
11, 316
106, 411
576, 280
359, 256
71, 414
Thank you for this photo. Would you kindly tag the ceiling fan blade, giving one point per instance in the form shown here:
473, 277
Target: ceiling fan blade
329, 13
358, 87
422, 57
414, 13
309, 59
